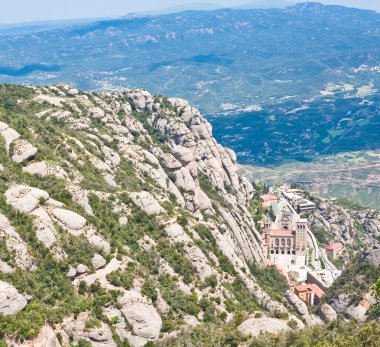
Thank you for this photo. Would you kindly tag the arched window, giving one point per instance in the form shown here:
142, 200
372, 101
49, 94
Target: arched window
283, 242
277, 242
289, 242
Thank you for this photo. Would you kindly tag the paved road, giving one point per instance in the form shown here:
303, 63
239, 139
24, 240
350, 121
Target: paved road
330, 266
312, 242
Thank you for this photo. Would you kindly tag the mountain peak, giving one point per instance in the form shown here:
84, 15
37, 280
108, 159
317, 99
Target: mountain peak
306, 7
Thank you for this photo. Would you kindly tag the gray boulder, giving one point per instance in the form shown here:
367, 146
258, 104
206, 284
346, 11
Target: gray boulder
25, 199
11, 302
98, 261
328, 314
147, 203
81, 269
372, 256
23, 150
340, 303
257, 326
69, 219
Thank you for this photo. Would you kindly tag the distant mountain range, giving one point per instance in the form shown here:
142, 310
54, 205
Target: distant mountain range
201, 6
300, 81
38, 26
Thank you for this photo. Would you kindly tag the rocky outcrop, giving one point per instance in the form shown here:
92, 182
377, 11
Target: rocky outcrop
116, 158
29, 200
44, 169
302, 309
258, 326
69, 219
15, 245
20, 149
25, 199
11, 301
147, 203
370, 221
46, 338
45, 230
141, 99
98, 261
142, 316
340, 303
334, 220
372, 256
75, 328
328, 314
9, 135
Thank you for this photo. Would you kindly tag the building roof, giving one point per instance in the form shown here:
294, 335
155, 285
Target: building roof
323, 277
268, 197
310, 287
334, 246
281, 233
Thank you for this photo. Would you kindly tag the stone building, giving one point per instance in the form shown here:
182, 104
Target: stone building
286, 237
334, 250
267, 199
310, 293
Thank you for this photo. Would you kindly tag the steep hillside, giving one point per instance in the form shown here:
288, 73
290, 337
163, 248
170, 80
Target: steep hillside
122, 219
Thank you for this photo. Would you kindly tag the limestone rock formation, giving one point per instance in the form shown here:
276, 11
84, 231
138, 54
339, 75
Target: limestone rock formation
141, 315
11, 301
144, 213
22, 150
257, 326
71, 220
302, 309
328, 314
75, 328
147, 202
25, 199
372, 256
15, 245
98, 261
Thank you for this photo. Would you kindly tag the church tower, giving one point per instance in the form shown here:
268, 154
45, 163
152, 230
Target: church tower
301, 237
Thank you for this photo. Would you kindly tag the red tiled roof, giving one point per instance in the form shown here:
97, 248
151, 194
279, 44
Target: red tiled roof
268, 197
281, 233
334, 246
310, 287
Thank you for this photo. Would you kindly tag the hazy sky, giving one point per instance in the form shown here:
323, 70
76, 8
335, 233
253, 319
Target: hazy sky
13, 11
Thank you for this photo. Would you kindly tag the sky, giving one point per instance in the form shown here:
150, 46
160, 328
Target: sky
16, 11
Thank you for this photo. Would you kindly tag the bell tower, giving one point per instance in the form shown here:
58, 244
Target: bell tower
301, 237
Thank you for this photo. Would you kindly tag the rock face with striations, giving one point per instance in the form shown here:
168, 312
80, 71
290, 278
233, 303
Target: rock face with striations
144, 214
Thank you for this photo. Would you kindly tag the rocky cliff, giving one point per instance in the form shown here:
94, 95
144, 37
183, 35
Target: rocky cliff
121, 219
358, 230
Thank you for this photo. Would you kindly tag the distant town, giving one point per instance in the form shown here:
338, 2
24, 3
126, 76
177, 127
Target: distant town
292, 247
